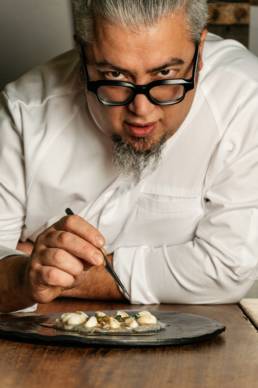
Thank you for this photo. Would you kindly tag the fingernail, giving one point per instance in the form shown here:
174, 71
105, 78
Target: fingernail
98, 258
100, 241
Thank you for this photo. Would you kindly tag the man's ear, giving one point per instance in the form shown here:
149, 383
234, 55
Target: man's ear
201, 45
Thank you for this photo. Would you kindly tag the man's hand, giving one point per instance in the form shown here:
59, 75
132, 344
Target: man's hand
60, 255
96, 284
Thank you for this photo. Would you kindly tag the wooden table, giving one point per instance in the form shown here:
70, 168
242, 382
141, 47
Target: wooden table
230, 360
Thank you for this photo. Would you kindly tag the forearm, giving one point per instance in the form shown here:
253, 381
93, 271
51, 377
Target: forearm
190, 273
14, 294
95, 283
198, 273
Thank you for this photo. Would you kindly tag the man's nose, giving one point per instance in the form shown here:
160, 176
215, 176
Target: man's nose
141, 105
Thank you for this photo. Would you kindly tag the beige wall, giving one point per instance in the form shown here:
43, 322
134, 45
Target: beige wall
31, 32
253, 44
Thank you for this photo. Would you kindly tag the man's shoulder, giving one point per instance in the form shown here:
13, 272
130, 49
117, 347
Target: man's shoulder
58, 77
229, 84
228, 56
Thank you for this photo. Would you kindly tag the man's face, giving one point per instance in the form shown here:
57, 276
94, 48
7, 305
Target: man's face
141, 55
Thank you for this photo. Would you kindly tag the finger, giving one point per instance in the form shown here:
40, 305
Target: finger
73, 244
77, 225
62, 260
40, 292
54, 277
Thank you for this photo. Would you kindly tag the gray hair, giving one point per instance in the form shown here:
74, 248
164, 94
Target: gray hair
137, 12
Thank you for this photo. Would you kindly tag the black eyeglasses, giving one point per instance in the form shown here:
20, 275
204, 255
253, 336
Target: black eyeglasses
120, 93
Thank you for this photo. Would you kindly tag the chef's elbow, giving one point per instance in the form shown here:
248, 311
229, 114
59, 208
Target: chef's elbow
234, 291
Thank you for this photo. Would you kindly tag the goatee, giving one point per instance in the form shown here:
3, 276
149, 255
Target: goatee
134, 162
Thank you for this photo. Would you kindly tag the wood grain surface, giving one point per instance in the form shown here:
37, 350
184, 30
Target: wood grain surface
230, 360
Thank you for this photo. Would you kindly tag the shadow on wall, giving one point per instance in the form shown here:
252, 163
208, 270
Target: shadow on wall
253, 41
253, 292
32, 33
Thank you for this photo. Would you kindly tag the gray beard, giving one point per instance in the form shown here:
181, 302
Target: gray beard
132, 162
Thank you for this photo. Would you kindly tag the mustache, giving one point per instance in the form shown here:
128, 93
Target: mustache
119, 142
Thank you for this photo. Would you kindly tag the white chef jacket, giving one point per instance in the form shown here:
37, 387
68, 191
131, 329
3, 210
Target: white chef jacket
188, 231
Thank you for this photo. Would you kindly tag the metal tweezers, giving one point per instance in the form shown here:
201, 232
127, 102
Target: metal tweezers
108, 266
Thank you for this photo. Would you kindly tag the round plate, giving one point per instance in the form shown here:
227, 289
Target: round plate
180, 329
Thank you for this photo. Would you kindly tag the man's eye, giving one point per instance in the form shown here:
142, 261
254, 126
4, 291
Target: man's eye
166, 72
113, 75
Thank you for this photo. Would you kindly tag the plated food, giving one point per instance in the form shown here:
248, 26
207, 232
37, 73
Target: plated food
100, 322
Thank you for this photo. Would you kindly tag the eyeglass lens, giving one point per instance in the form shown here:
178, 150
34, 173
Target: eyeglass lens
120, 94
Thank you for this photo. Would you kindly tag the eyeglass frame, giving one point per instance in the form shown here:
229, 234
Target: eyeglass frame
93, 86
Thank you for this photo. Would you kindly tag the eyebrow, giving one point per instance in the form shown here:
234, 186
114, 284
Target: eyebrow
171, 62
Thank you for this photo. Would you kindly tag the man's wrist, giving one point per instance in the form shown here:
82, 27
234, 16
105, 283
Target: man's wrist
96, 284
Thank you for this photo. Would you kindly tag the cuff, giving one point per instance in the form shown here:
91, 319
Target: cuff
5, 252
130, 265
30, 309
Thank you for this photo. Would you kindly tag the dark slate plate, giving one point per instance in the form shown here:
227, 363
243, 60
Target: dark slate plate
180, 329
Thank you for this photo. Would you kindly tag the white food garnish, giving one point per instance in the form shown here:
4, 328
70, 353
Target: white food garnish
114, 324
73, 319
100, 314
68, 327
131, 323
64, 317
122, 314
91, 322
146, 318
82, 315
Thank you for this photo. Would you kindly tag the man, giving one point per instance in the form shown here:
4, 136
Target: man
153, 144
